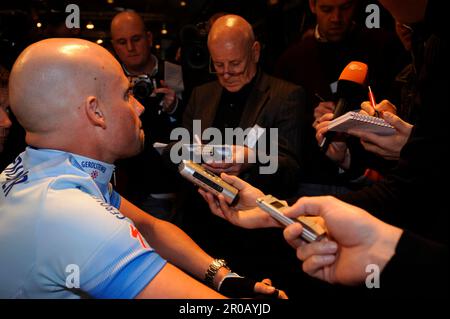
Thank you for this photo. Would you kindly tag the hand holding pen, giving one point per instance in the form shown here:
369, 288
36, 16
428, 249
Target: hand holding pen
372, 108
322, 108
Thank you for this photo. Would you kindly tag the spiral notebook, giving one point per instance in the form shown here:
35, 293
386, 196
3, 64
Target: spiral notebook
361, 122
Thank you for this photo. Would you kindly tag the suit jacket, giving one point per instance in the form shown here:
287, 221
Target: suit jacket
272, 103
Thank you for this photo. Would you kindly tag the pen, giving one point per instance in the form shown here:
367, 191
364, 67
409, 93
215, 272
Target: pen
319, 97
372, 101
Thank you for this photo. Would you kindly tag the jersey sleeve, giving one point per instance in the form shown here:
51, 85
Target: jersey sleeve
87, 246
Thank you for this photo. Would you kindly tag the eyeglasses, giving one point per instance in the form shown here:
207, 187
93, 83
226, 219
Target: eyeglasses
233, 69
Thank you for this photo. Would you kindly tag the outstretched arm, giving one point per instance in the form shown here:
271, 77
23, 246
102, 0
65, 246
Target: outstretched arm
179, 249
358, 239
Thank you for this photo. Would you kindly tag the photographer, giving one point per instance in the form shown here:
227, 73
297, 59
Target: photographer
144, 178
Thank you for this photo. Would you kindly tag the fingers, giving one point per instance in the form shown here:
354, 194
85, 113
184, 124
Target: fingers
282, 295
321, 109
292, 235
383, 106
317, 248
218, 168
315, 265
367, 136
234, 181
311, 206
267, 281
265, 287
326, 117
212, 203
225, 209
308, 206
164, 90
218, 206
322, 126
386, 106
397, 123
367, 108
372, 142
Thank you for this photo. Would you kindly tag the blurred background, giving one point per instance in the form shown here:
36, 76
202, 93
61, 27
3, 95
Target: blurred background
174, 23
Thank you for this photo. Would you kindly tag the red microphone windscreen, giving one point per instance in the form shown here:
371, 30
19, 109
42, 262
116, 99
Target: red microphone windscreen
355, 72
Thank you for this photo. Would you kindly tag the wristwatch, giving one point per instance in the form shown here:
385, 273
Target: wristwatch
212, 270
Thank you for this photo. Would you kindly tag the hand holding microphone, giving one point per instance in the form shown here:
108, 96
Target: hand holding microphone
351, 91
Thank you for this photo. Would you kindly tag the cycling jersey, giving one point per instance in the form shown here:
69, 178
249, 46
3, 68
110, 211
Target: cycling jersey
62, 235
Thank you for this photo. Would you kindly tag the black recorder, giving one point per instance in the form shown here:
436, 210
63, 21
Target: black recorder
210, 182
274, 207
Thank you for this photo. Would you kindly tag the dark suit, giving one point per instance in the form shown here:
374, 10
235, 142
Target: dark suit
272, 103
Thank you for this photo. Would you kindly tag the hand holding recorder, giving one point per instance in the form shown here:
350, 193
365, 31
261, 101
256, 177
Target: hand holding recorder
208, 181
256, 210
357, 240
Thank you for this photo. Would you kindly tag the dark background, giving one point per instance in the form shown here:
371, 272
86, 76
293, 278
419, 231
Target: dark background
276, 22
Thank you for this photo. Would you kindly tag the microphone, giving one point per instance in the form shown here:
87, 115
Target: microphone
351, 91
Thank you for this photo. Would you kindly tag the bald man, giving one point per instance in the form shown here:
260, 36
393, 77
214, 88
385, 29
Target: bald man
245, 97
64, 232
144, 178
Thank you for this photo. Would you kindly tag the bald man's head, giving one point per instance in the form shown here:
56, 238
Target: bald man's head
51, 78
72, 94
131, 41
231, 28
234, 51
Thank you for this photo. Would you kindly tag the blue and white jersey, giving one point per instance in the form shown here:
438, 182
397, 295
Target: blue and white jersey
61, 234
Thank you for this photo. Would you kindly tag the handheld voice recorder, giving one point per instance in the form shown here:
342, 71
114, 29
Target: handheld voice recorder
274, 207
207, 180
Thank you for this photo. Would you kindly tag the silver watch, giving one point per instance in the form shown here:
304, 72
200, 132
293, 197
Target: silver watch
212, 270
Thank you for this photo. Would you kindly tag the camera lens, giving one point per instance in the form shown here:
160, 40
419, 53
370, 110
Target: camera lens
142, 89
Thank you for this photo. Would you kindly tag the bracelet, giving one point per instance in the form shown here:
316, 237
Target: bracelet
212, 270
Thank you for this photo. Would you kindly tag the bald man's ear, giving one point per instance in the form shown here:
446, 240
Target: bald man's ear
94, 112
256, 51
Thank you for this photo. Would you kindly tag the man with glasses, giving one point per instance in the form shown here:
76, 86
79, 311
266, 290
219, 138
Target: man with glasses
243, 96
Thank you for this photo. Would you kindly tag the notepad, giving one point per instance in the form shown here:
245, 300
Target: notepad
360, 121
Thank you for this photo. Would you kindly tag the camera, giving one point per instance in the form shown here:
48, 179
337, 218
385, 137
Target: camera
143, 86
